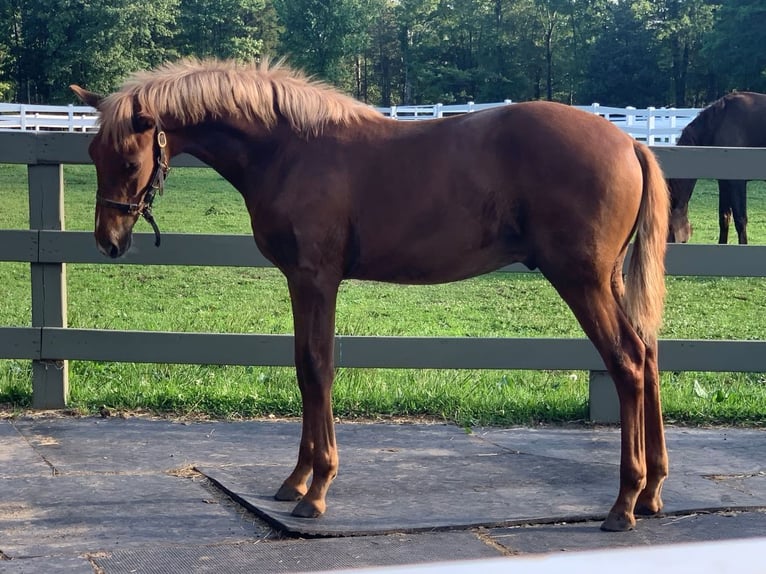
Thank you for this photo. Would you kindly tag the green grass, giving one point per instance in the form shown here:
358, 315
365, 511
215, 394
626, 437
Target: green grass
255, 300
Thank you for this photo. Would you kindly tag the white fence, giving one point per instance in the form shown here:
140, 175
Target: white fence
47, 118
655, 126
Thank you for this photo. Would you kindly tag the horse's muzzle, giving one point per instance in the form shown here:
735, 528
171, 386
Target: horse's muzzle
112, 248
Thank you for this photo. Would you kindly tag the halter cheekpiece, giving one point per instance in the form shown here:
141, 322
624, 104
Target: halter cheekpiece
156, 184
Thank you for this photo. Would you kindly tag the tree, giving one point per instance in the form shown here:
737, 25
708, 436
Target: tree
93, 42
734, 48
384, 53
623, 68
637, 52
239, 29
679, 27
323, 38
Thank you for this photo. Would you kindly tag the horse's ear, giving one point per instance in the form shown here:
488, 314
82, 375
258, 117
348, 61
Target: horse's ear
90, 98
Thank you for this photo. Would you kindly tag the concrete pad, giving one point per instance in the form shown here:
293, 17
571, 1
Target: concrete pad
709, 468
695, 527
302, 555
17, 457
48, 565
141, 445
70, 487
77, 514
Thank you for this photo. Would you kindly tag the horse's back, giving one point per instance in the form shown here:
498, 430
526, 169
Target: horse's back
525, 183
741, 121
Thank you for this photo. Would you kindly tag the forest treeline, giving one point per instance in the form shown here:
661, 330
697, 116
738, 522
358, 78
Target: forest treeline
387, 52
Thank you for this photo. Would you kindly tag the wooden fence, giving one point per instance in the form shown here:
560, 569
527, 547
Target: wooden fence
50, 344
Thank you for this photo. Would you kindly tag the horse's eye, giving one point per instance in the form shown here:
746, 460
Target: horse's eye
130, 166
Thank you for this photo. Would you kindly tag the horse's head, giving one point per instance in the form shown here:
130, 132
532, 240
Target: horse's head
128, 173
680, 229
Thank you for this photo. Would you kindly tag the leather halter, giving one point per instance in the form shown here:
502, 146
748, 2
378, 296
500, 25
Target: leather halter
156, 184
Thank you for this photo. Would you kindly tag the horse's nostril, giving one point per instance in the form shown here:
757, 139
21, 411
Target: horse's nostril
114, 251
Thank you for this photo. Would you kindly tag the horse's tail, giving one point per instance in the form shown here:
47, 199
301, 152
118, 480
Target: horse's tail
645, 280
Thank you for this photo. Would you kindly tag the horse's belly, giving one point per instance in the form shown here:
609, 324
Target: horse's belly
439, 248
436, 266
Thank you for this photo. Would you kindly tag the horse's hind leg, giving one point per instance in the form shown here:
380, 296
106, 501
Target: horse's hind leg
594, 303
313, 300
738, 200
650, 500
724, 212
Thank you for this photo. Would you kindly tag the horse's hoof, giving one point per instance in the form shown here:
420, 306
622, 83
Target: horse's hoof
648, 508
287, 492
618, 522
306, 509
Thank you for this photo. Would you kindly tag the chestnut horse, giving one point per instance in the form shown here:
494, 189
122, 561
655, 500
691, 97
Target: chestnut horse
736, 120
335, 190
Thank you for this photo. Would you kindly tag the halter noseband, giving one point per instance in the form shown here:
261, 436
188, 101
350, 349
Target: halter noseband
156, 183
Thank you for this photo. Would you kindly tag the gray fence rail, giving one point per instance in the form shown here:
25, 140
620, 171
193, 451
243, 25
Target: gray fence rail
50, 344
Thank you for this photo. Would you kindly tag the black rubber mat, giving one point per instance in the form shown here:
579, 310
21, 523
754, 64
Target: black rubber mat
302, 555
403, 491
710, 469
405, 479
705, 451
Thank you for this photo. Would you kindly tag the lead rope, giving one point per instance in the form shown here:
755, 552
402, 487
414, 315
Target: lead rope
147, 214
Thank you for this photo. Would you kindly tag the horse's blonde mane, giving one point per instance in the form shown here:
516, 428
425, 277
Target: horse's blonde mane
191, 90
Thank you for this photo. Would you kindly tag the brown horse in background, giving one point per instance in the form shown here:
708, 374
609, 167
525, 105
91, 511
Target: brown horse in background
736, 120
335, 190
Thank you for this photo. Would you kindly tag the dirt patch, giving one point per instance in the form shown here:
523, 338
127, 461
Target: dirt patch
16, 511
187, 471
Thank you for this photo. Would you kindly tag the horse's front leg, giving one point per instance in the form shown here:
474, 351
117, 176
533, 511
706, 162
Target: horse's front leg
313, 302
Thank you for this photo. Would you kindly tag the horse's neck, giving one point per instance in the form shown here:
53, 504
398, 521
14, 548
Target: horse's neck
221, 146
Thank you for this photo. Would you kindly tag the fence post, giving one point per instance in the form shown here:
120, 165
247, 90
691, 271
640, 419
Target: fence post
650, 124
630, 116
70, 117
673, 138
50, 378
603, 403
